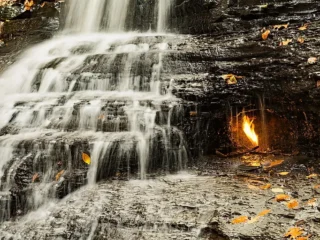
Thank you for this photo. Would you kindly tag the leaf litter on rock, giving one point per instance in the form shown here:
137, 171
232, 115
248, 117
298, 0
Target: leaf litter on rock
294, 232
282, 197
292, 204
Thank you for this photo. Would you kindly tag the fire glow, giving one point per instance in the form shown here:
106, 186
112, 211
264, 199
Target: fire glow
248, 128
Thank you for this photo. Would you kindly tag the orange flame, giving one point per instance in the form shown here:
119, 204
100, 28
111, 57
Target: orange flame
248, 128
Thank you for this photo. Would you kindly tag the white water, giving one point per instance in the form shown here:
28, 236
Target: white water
89, 87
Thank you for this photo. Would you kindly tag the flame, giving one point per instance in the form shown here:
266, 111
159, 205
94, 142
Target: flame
248, 128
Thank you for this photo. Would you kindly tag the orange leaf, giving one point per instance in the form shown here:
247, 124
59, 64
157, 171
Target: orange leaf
293, 204
302, 238
265, 35
241, 219
59, 174
312, 176
275, 163
294, 232
261, 214
265, 187
316, 186
304, 27
282, 197
278, 27
35, 177
283, 173
264, 212
301, 40
86, 158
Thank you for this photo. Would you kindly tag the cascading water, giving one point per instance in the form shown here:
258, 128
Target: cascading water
97, 93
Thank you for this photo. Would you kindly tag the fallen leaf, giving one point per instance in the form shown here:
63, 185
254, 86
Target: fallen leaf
265, 187
35, 177
265, 35
86, 158
293, 204
312, 176
294, 232
264, 212
312, 202
231, 78
312, 60
278, 27
277, 190
241, 219
316, 186
261, 214
285, 42
300, 40
282, 197
302, 238
59, 174
274, 163
193, 114
304, 27
263, 6
283, 173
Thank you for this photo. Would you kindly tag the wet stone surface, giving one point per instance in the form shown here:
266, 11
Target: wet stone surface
183, 206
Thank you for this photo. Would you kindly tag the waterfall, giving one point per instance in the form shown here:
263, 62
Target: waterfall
100, 93
163, 14
89, 16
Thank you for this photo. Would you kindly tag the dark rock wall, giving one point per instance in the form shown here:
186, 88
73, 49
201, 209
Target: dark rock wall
227, 39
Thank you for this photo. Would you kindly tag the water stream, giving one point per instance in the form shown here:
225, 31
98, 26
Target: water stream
92, 89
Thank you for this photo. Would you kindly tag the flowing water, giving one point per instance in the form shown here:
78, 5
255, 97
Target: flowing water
93, 89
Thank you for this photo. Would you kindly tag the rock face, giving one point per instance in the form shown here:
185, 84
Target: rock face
278, 84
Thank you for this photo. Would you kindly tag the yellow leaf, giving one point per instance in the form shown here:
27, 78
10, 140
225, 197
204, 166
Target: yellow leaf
293, 204
264, 212
312, 176
312, 60
312, 202
241, 219
265, 35
59, 174
282, 197
86, 158
231, 78
265, 187
280, 26
263, 6
304, 27
35, 177
283, 173
286, 42
294, 232
301, 40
